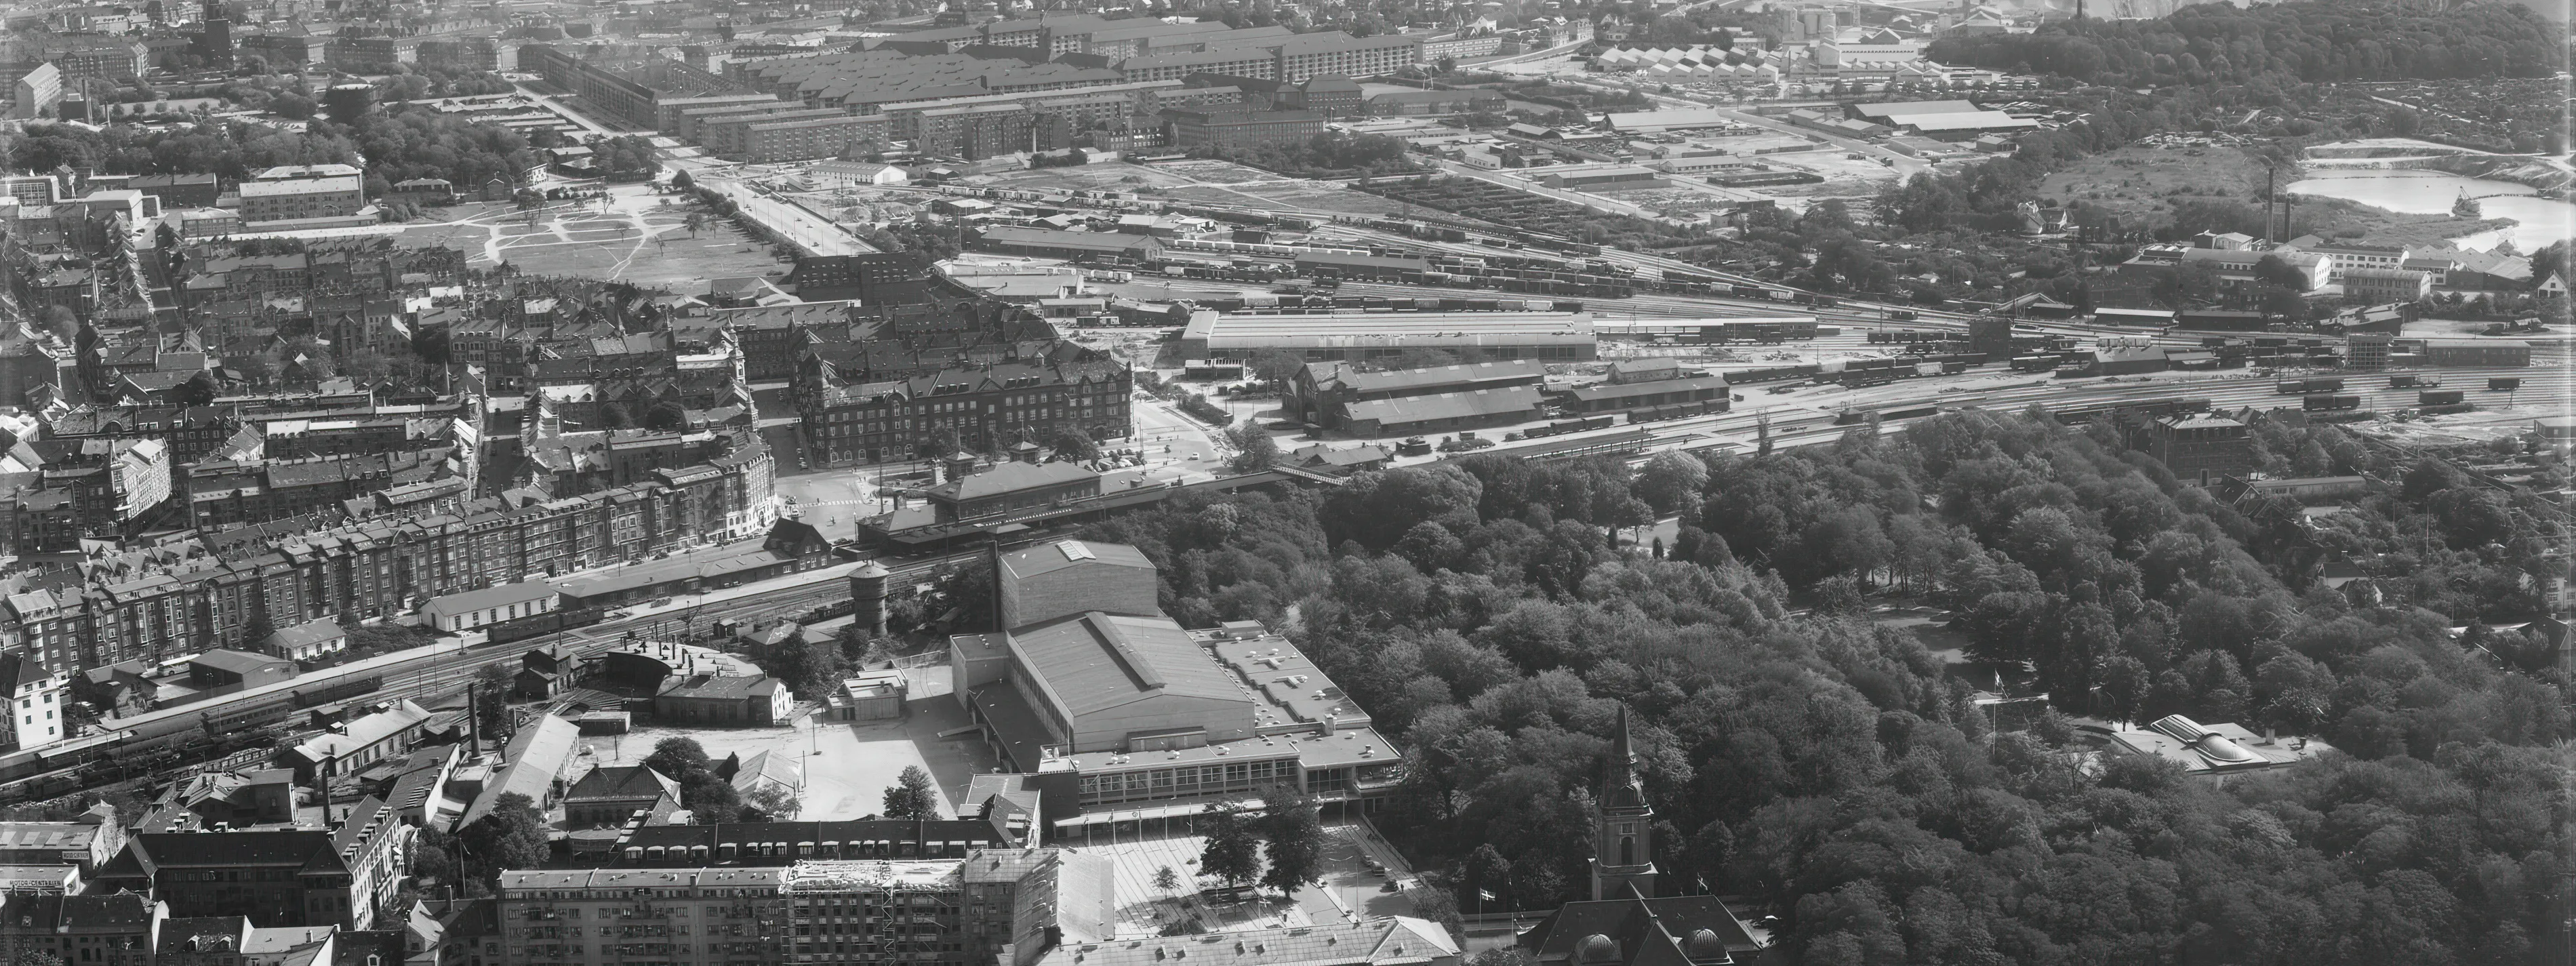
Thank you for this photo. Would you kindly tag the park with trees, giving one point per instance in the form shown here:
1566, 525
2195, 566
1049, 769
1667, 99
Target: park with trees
1834, 768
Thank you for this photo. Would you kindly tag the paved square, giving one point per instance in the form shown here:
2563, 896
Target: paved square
849, 763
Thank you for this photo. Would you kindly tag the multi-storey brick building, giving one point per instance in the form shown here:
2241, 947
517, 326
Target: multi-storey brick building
1239, 130
778, 139
2194, 445
598, 917
469, 53
92, 930
345, 877
161, 602
372, 54
647, 93
993, 405
299, 198
726, 135
283, 51
957, 911
974, 131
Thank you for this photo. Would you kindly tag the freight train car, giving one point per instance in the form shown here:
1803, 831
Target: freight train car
2440, 397
2293, 387
1563, 427
2327, 402
1771, 374
540, 624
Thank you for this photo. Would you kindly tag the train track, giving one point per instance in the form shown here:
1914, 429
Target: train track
1810, 423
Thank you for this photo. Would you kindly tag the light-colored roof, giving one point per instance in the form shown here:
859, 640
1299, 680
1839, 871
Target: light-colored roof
1460, 375
1652, 387
1011, 478
1050, 557
1448, 405
533, 761
310, 632
363, 732
1093, 662
487, 598
301, 186
1908, 109
1373, 942
1964, 121
1389, 329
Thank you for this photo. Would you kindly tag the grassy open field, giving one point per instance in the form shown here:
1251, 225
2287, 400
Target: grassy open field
635, 239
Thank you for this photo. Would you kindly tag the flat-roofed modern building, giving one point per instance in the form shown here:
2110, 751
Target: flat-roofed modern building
286, 199
1469, 336
1234, 130
2213, 752
1116, 717
716, 917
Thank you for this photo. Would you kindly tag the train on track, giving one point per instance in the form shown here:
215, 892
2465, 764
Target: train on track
169, 740
1563, 427
536, 625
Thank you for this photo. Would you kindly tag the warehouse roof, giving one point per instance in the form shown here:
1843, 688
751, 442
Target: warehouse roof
489, 597
1515, 370
1476, 403
1963, 121
1903, 111
1655, 387
1670, 120
1093, 662
1389, 329
1079, 240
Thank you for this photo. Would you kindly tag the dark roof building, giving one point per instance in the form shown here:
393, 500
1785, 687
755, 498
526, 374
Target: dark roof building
1636, 931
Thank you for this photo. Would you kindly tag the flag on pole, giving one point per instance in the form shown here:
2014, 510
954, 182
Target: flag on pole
1485, 894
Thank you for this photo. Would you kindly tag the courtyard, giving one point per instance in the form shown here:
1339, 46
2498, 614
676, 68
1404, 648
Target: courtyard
849, 764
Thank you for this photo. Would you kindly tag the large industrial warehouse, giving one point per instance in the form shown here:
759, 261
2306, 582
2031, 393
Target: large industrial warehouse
1470, 336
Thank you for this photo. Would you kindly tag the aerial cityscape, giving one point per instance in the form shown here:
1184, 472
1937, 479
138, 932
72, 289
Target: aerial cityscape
1094, 483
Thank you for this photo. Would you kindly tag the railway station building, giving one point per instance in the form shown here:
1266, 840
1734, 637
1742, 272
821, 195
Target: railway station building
491, 605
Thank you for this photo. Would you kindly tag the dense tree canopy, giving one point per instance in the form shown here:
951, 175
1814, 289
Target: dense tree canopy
398, 144
2276, 44
1835, 768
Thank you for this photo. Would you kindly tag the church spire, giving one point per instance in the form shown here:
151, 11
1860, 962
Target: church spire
1623, 845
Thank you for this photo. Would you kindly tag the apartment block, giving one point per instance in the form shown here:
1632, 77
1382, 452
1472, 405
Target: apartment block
775, 139
728, 136
300, 198
158, 604
614, 917
1238, 130
891, 420
973, 132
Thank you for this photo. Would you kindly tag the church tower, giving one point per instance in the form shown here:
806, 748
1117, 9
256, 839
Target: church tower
1623, 847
